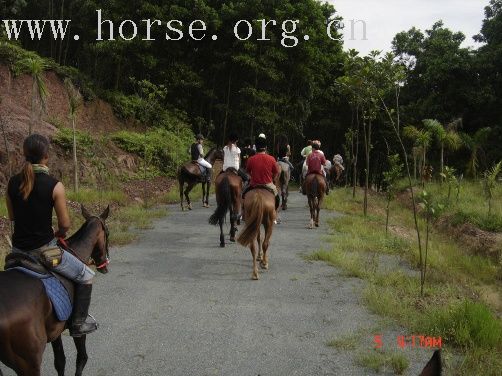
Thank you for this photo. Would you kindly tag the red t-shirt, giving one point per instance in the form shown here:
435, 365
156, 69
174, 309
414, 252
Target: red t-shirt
315, 161
262, 168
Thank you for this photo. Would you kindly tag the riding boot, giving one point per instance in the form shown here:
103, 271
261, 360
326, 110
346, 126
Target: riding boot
79, 325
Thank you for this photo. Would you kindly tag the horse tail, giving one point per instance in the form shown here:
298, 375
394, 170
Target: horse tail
225, 202
254, 218
315, 190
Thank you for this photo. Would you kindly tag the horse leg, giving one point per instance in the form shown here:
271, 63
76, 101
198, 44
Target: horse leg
59, 357
81, 354
181, 194
187, 191
222, 237
269, 223
258, 240
252, 247
312, 212
317, 209
233, 229
206, 195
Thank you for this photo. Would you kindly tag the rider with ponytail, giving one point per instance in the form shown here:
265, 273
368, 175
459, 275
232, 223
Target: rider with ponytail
32, 195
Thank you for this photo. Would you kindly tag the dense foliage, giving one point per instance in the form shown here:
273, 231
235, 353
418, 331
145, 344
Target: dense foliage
314, 90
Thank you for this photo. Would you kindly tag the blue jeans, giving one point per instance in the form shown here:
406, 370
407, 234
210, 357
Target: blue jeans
70, 266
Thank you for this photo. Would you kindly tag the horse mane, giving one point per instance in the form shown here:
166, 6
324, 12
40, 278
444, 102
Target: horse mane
212, 150
78, 235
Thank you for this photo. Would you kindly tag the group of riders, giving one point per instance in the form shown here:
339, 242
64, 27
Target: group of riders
33, 195
257, 168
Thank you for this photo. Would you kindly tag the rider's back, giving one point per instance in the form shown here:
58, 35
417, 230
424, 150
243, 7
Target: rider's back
33, 216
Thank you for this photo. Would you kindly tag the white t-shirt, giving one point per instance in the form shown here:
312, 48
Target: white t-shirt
231, 158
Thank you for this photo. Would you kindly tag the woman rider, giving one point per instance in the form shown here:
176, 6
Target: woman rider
232, 157
31, 197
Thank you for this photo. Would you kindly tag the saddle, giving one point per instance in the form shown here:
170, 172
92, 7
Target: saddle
59, 289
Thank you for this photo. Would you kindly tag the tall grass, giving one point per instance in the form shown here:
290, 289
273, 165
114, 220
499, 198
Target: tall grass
449, 307
471, 206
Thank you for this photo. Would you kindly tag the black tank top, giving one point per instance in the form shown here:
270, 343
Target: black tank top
33, 217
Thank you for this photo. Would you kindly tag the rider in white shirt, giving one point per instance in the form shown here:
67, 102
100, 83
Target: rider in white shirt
231, 154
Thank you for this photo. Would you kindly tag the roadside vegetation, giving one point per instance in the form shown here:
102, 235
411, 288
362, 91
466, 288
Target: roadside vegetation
461, 301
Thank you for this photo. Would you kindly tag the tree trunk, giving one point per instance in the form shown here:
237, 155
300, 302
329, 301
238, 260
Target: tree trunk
442, 164
367, 170
75, 161
33, 105
227, 107
354, 179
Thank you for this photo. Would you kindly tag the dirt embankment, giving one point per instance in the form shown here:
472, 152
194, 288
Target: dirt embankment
475, 240
96, 117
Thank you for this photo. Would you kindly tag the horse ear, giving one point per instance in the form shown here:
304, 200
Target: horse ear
105, 213
85, 213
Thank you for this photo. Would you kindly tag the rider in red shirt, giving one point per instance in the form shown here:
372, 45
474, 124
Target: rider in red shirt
315, 162
262, 168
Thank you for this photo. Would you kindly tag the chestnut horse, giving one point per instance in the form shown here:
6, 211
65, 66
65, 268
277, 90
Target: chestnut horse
28, 322
259, 206
190, 174
315, 188
228, 186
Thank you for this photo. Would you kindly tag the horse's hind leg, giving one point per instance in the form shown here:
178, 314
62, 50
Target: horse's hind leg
81, 354
59, 357
258, 240
269, 223
222, 237
187, 191
181, 195
252, 247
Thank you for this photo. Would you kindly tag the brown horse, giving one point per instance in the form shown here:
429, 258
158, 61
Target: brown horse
283, 187
190, 174
228, 187
28, 322
259, 205
335, 173
315, 188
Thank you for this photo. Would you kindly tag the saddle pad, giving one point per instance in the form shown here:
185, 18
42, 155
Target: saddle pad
59, 298
56, 292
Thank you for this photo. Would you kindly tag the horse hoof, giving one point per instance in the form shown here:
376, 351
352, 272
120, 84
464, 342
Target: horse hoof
190, 207
264, 266
222, 245
317, 225
238, 222
232, 240
255, 277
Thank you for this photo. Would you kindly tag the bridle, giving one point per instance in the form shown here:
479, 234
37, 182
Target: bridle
91, 261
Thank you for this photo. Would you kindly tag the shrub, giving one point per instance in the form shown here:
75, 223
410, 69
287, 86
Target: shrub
64, 138
159, 147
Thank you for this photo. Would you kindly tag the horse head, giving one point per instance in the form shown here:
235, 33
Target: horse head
214, 154
100, 254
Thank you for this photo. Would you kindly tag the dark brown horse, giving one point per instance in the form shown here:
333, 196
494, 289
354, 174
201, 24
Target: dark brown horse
315, 188
434, 366
27, 320
190, 174
335, 174
259, 206
228, 186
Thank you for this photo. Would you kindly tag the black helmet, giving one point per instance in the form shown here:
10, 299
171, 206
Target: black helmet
199, 137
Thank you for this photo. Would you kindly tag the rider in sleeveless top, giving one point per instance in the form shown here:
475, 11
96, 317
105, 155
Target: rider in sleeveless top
31, 197
232, 157
197, 153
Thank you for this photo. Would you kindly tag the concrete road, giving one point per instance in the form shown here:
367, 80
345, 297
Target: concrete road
175, 303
